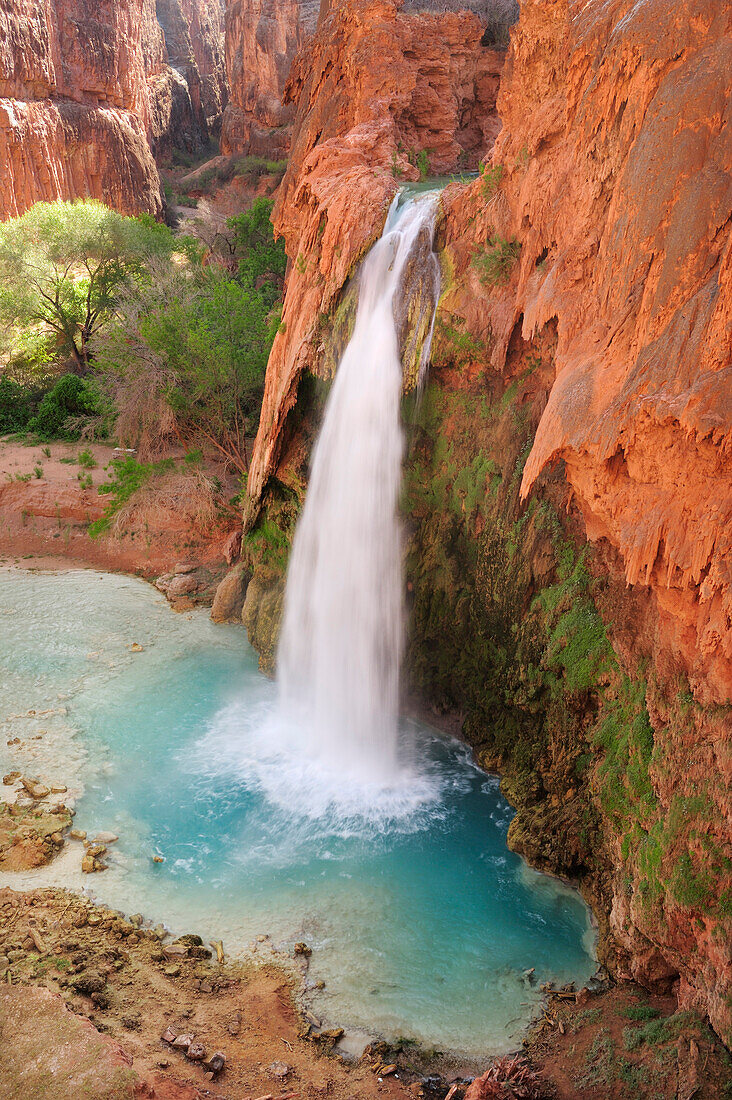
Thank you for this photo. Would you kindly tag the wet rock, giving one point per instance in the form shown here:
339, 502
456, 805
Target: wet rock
77, 834
136, 648
36, 790
105, 838
303, 950
230, 593
10, 778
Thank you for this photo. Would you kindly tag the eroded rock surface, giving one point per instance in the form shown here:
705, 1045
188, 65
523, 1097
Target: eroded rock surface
374, 88
74, 103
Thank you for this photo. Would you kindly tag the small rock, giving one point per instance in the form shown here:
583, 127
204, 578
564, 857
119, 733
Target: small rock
190, 940
196, 1052
89, 865
10, 778
183, 567
205, 986
280, 1070
77, 834
169, 1035
303, 949
386, 1071
158, 859
582, 996
216, 1062
58, 788
233, 1025
105, 838
311, 1019
172, 971
57, 839
175, 950
36, 790
136, 647
136, 919
182, 1042
96, 850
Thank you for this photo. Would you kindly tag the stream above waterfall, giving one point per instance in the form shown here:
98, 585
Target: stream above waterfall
421, 921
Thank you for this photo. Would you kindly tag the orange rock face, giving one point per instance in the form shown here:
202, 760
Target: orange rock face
616, 156
613, 180
373, 88
262, 37
74, 103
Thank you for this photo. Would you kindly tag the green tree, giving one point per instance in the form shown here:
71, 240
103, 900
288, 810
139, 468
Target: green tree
185, 359
262, 259
63, 264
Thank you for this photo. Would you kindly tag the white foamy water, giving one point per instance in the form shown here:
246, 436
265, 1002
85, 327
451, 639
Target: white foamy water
341, 643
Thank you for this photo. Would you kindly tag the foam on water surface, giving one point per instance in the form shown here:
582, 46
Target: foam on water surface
421, 920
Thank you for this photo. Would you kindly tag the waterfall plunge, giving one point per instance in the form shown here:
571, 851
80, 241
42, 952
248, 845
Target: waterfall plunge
341, 641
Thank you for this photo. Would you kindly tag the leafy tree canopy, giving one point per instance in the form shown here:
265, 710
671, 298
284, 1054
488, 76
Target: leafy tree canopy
262, 259
186, 358
62, 265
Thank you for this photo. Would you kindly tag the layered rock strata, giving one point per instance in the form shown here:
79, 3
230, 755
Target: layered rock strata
74, 103
262, 37
375, 90
569, 568
191, 92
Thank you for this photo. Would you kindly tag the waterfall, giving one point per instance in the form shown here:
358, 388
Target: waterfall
341, 640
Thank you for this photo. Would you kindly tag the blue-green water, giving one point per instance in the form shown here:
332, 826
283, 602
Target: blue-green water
420, 919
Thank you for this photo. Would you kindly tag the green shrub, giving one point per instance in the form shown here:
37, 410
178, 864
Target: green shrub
127, 476
86, 459
495, 262
18, 404
491, 176
423, 164
72, 399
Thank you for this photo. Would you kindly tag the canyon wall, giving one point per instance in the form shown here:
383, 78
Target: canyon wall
74, 103
568, 493
262, 37
189, 94
87, 90
605, 218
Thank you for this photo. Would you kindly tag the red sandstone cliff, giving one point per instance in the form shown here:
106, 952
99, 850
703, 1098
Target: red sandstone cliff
74, 105
610, 202
86, 89
262, 37
373, 88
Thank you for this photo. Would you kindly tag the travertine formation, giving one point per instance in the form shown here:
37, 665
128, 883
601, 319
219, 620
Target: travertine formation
374, 89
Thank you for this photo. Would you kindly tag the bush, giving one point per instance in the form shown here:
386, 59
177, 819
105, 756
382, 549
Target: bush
72, 399
496, 261
17, 404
